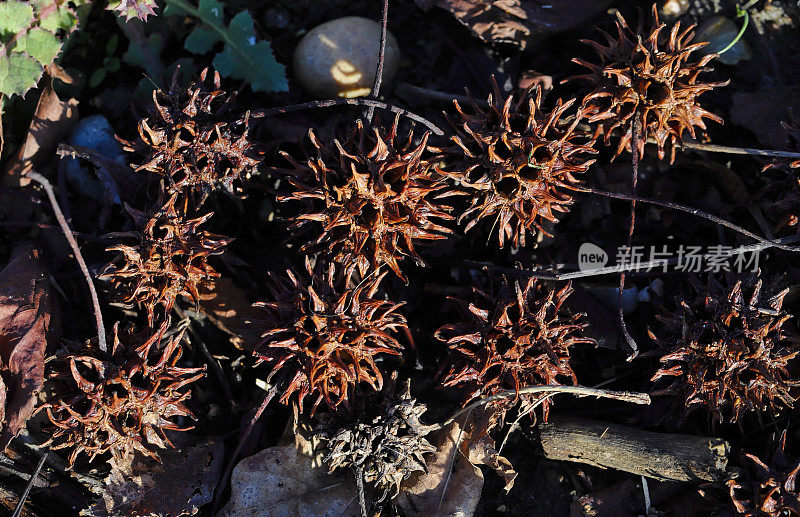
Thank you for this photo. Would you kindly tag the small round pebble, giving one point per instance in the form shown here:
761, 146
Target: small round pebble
340, 58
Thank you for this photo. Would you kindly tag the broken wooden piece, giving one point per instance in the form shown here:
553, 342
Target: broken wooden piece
662, 456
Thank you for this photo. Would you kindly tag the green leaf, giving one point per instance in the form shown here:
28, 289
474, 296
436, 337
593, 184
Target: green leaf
18, 72
111, 44
134, 56
246, 58
56, 16
97, 77
40, 44
14, 17
201, 40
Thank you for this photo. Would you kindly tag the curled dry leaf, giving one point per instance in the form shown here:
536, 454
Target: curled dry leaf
51, 123
184, 481
284, 481
451, 486
25, 322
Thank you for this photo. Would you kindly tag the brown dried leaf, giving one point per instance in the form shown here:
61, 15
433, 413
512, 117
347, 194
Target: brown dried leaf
179, 485
25, 317
282, 481
51, 122
518, 21
451, 487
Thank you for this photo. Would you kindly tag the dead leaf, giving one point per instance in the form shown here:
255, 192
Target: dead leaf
452, 485
282, 481
25, 317
183, 481
51, 123
519, 21
762, 113
228, 308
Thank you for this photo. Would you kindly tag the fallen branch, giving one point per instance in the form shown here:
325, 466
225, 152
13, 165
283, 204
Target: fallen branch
662, 456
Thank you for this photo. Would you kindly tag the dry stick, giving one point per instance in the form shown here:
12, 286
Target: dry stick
351, 102
635, 134
376, 88
580, 391
714, 148
65, 229
29, 485
229, 467
405, 89
610, 270
362, 500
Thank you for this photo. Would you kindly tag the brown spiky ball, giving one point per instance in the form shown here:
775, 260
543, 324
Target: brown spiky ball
168, 258
513, 338
384, 443
368, 199
327, 331
516, 162
649, 80
121, 402
195, 141
725, 347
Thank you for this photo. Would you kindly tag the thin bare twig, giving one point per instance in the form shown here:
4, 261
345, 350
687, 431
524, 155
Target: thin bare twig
579, 391
405, 90
376, 88
98, 315
714, 148
351, 102
29, 485
635, 135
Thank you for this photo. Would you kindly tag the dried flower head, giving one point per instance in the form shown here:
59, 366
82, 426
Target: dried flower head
512, 339
767, 488
120, 403
169, 258
194, 140
516, 162
648, 81
725, 347
327, 332
385, 444
368, 198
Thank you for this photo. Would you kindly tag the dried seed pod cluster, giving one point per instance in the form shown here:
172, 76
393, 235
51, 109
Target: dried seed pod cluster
385, 449
195, 141
648, 81
767, 488
511, 339
516, 162
726, 349
168, 258
369, 198
120, 403
327, 331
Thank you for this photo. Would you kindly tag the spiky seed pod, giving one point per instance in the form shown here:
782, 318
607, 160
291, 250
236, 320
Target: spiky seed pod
511, 339
725, 348
385, 444
169, 258
517, 162
123, 402
767, 488
369, 198
327, 332
194, 140
649, 80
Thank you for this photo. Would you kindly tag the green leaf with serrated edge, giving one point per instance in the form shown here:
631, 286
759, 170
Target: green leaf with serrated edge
244, 57
40, 44
56, 16
134, 56
201, 40
14, 17
18, 73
